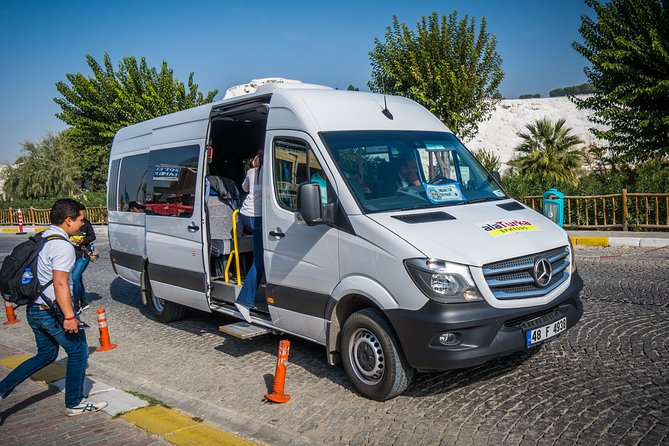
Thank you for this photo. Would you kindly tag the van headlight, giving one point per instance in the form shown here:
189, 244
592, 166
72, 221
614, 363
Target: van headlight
442, 281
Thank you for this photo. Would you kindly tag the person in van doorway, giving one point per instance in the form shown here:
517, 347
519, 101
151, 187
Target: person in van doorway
251, 216
54, 263
82, 247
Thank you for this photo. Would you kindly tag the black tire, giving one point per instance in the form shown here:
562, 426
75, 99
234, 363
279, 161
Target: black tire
164, 310
372, 356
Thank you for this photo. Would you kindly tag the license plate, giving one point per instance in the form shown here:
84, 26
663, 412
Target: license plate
546, 332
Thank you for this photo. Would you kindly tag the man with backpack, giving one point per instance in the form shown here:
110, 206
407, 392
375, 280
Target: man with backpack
51, 315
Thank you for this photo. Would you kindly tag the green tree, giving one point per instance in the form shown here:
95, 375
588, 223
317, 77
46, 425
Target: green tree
628, 47
548, 154
444, 65
97, 106
43, 169
488, 159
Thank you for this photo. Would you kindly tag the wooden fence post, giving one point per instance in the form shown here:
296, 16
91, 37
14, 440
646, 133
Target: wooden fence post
625, 210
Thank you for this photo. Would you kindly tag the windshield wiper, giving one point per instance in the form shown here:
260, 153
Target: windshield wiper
482, 199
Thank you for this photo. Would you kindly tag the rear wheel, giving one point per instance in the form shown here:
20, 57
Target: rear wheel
164, 310
372, 357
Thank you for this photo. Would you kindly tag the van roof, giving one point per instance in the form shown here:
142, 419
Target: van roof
306, 107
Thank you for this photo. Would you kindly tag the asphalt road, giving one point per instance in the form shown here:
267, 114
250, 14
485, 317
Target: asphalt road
606, 381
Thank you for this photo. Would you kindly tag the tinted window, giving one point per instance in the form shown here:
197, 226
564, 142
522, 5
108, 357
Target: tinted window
173, 176
132, 181
294, 164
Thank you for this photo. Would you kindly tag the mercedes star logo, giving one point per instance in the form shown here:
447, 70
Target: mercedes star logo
543, 272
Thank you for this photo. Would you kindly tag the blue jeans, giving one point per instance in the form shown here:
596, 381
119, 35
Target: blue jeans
248, 293
78, 290
48, 339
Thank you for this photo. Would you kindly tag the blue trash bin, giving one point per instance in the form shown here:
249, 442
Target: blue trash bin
552, 206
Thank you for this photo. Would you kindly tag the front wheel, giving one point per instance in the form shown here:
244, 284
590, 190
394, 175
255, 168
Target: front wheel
164, 310
372, 357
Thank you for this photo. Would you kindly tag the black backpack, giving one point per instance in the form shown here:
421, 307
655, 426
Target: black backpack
23, 256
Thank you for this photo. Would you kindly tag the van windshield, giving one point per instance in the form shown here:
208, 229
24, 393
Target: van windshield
400, 170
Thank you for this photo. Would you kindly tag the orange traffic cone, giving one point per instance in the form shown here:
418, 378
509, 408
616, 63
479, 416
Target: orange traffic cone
11, 317
105, 343
277, 395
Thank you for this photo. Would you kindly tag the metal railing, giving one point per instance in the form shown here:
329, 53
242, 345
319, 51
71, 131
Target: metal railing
40, 217
626, 211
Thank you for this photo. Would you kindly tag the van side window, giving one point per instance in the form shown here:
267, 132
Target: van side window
294, 164
132, 183
173, 177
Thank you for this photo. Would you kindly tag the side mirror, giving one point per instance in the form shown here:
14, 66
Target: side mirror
309, 203
496, 176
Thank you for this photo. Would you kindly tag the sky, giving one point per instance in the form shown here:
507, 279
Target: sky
229, 42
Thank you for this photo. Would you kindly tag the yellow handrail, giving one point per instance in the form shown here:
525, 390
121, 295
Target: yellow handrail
235, 251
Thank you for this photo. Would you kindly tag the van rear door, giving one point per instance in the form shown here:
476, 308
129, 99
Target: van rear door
174, 223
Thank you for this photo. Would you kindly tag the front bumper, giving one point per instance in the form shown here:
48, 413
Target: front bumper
485, 332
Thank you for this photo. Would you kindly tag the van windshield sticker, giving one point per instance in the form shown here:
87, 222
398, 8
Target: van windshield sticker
166, 172
499, 192
441, 193
436, 147
498, 228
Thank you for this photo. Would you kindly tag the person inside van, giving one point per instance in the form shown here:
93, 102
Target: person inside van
134, 206
402, 172
407, 175
251, 217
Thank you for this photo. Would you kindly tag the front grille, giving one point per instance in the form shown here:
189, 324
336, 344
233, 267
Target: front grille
514, 279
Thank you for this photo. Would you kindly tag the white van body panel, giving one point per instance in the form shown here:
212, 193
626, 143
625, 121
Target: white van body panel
371, 265
170, 243
463, 240
126, 139
303, 325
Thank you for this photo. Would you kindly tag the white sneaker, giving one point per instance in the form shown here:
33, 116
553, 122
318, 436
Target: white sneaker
85, 407
246, 313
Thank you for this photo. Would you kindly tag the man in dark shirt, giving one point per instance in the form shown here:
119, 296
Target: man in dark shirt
82, 248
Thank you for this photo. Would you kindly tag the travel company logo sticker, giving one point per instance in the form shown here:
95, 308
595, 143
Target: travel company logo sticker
443, 192
507, 227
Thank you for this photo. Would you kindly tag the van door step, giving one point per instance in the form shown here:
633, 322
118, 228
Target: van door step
243, 330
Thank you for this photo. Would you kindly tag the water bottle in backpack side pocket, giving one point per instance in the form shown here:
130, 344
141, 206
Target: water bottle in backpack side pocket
27, 276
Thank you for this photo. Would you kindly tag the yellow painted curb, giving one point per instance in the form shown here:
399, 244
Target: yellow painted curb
9, 229
50, 373
590, 241
159, 420
204, 435
180, 429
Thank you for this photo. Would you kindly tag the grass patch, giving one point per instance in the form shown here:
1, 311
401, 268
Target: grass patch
149, 399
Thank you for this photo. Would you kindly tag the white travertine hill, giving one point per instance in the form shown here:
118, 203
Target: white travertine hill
499, 133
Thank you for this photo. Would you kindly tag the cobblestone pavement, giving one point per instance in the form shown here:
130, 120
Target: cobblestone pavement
603, 382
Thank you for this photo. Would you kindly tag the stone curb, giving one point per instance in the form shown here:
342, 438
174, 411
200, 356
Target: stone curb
619, 241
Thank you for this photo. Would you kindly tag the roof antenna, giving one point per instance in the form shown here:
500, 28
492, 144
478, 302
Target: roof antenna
385, 110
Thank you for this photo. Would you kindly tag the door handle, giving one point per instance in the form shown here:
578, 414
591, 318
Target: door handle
277, 233
192, 227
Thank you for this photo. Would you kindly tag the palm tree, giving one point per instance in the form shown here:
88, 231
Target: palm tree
549, 154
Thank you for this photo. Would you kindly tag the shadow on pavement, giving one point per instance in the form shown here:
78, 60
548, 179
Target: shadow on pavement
50, 391
310, 356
